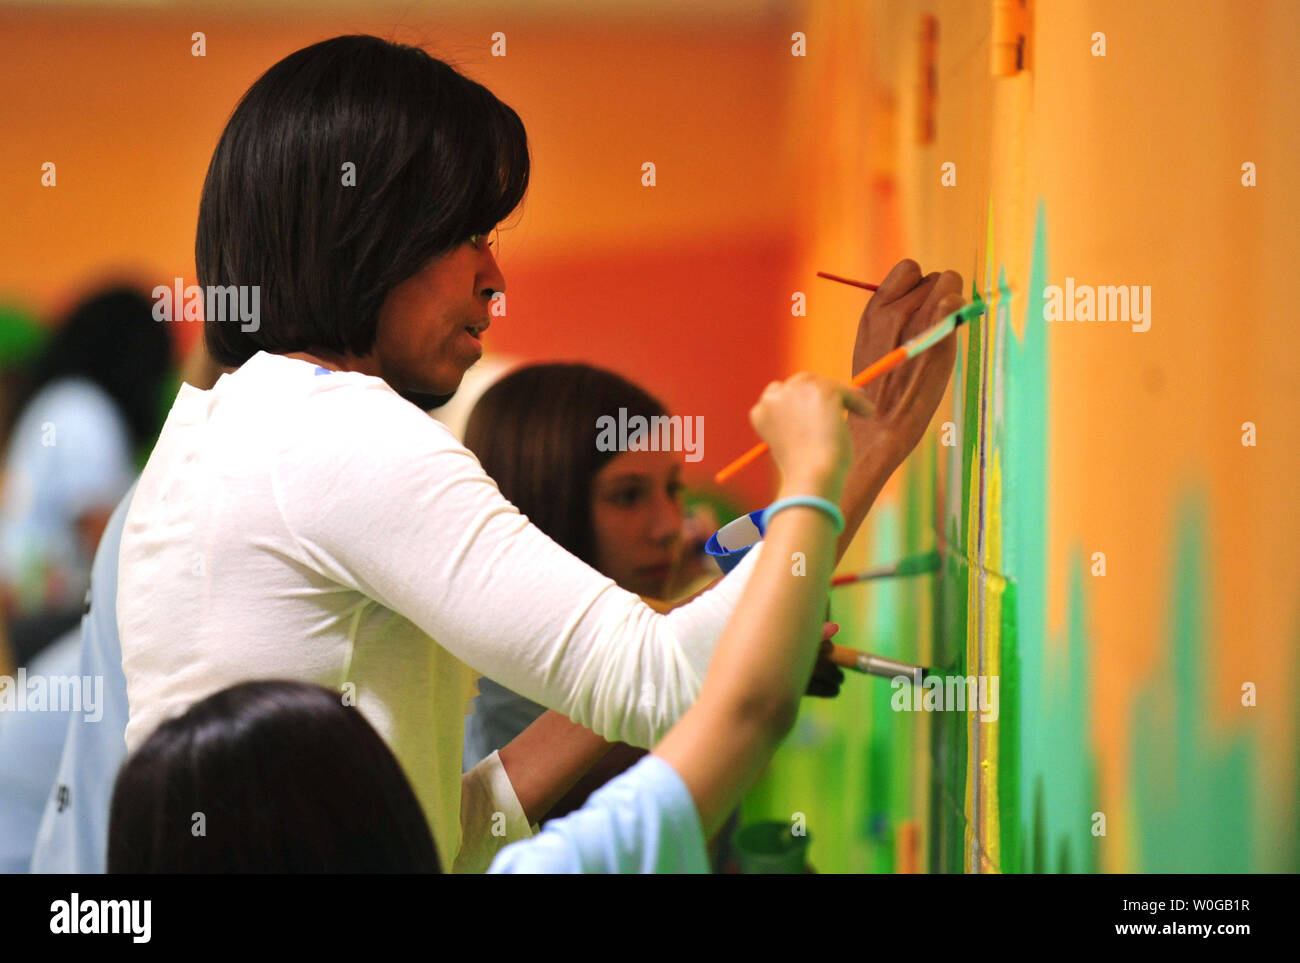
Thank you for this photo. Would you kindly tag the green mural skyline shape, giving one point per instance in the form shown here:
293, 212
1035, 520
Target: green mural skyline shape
1050, 793
1192, 791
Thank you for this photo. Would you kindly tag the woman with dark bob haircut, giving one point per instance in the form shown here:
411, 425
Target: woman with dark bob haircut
345, 169
302, 500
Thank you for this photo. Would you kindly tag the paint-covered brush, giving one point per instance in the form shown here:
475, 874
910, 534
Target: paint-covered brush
857, 284
869, 664
909, 349
922, 564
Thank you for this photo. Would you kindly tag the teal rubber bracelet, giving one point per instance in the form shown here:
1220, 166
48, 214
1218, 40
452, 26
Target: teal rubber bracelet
809, 501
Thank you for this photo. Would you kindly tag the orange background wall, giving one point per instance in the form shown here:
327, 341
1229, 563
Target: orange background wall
683, 286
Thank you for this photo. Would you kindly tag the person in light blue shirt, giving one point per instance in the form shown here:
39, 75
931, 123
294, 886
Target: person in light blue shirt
303, 783
73, 832
643, 821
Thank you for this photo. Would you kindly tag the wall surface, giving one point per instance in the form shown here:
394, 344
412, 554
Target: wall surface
1159, 696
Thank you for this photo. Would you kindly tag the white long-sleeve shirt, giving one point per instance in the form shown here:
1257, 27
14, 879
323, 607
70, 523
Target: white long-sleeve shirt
298, 523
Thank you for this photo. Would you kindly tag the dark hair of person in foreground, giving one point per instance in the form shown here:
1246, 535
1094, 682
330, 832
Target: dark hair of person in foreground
267, 777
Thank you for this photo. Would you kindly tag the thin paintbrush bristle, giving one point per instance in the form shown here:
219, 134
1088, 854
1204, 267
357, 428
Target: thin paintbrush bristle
843, 280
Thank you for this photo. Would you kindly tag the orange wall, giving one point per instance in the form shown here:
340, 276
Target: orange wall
1137, 157
682, 286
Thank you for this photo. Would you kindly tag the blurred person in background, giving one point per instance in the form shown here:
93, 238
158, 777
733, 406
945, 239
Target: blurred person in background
57, 768
89, 412
21, 340
535, 433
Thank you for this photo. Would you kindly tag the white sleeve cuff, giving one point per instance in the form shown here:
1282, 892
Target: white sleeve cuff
491, 816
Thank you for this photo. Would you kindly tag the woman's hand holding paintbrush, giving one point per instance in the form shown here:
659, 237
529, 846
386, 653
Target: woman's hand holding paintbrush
904, 306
